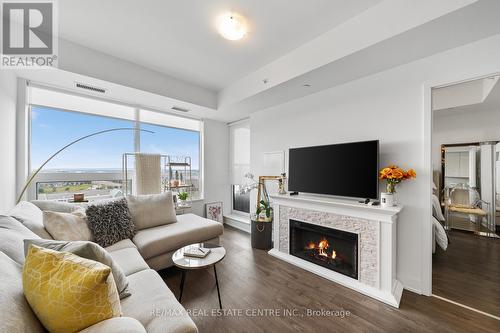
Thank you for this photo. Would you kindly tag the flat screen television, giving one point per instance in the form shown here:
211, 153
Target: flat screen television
344, 170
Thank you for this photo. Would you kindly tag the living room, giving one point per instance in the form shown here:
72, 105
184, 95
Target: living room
154, 129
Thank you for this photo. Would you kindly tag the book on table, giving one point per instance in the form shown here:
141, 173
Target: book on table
196, 252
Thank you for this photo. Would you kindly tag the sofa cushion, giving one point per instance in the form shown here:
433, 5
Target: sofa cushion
58, 206
87, 250
155, 306
117, 324
31, 216
12, 235
16, 315
129, 260
123, 244
67, 226
110, 222
189, 229
152, 210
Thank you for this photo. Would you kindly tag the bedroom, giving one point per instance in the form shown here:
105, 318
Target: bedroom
466, 188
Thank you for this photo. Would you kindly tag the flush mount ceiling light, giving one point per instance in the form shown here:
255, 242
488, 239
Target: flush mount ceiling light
232, 26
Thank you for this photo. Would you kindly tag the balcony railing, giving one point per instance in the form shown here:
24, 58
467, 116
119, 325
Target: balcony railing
95, 185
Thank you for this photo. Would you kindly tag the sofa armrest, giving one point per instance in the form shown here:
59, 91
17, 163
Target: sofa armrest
117, 324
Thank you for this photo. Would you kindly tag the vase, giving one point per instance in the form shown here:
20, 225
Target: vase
391, 188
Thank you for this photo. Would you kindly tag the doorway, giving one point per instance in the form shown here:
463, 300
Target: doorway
466, 193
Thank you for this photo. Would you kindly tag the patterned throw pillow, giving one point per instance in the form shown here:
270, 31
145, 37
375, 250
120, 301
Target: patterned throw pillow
66, 292
110, 222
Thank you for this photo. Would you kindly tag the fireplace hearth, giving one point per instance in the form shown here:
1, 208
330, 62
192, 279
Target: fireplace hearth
331, 248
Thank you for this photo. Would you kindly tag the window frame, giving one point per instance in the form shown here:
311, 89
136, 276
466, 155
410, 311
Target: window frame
136, 123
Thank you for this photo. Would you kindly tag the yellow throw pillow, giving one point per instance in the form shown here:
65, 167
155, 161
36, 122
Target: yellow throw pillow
68, 293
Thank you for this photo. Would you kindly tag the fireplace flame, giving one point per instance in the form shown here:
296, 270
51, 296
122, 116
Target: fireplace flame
321, 248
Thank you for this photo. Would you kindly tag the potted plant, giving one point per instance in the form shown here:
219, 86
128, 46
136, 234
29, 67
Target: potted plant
264, 211
393, 175
182, 198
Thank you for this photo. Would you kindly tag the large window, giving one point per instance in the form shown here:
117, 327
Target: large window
94, 165
174, 142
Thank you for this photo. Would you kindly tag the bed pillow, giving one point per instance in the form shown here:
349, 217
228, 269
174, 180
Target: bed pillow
31, 216
110, 222
67, 226
152, 210
436, 209
88, 250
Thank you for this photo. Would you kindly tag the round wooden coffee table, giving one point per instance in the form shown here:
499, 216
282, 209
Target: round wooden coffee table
185, 263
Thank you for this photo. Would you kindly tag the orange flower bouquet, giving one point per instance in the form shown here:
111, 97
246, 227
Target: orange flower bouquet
395, 175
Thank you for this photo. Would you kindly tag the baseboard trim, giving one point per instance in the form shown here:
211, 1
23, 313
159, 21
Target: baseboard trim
245, 227
414, 290
466, 307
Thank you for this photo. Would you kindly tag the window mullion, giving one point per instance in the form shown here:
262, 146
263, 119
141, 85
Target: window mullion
137, 132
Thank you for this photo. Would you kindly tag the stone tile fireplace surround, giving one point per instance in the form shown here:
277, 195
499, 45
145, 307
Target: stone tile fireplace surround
376, 230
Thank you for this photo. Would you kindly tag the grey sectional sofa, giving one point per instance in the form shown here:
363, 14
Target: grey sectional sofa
152, 307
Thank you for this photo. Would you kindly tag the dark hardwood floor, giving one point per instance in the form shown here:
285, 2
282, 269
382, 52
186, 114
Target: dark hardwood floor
468, 272
251, 280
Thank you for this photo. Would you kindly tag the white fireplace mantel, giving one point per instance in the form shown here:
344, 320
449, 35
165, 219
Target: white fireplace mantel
375, 226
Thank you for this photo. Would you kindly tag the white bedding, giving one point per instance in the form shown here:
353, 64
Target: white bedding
439, 234
436, 208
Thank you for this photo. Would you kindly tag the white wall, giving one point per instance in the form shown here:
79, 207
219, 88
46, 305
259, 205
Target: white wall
78, 59
8, 84
463, 127
387, 106
216, 166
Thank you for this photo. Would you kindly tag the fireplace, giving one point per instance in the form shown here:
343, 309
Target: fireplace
327, 247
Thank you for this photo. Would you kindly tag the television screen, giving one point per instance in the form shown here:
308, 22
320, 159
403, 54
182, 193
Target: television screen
346, 170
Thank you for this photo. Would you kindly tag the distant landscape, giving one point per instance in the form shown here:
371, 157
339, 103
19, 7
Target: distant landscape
92, 189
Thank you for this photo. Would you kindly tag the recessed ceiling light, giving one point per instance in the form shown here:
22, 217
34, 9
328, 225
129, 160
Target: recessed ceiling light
232, 26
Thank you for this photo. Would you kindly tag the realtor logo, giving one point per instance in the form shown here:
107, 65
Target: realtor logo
29, 36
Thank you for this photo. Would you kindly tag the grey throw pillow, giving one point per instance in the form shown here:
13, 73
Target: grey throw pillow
110, 222
31, 216
12, 234
87, 250
152, 210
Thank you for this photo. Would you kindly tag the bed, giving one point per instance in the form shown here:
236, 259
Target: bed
439, 235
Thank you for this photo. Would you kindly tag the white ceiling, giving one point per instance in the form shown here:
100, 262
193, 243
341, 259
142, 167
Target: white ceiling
178, 38
490, 103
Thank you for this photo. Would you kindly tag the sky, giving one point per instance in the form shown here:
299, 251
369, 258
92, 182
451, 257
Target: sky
52, 129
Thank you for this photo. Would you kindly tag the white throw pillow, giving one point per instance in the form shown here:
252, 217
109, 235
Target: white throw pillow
151, 210
67, 226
